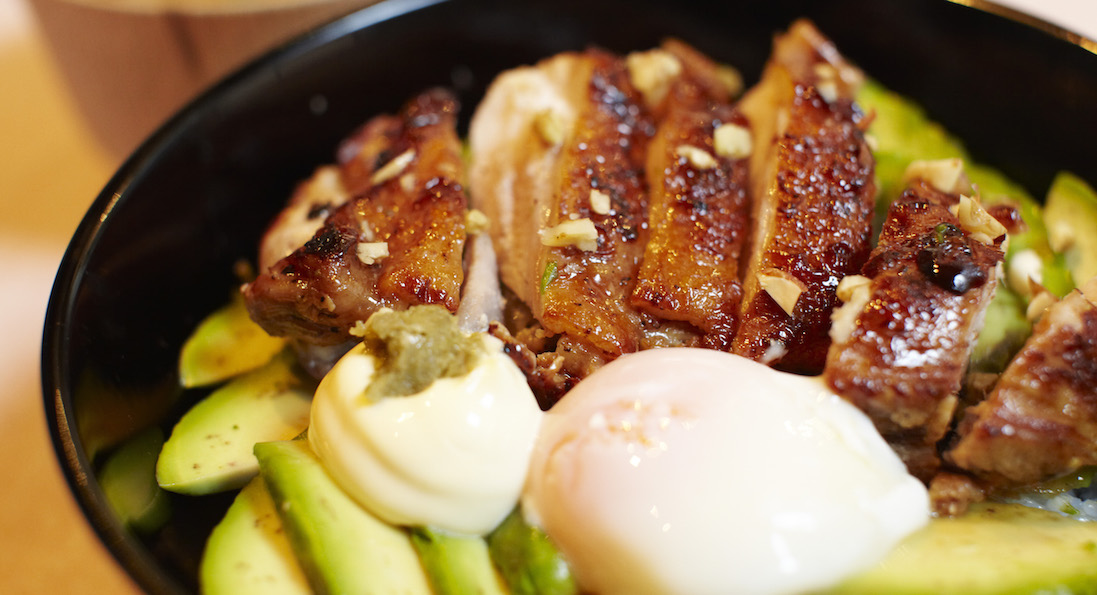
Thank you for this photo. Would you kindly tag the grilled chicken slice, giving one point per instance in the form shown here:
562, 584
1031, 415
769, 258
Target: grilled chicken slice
1040, 419
902, 340
557, 154
812, 191
697, 170
399, 242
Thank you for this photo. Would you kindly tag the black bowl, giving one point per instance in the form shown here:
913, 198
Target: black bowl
156, 251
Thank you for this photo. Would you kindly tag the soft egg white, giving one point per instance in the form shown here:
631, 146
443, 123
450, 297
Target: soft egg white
693, 471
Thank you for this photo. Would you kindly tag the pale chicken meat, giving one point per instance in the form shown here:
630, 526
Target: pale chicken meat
902, 340
398, 242
557, 152
1040, 419
813, 195
697, 166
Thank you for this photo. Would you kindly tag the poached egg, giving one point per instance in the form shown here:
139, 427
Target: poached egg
694, 471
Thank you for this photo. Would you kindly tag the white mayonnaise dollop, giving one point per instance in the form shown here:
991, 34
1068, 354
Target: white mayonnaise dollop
692, 471
453, 456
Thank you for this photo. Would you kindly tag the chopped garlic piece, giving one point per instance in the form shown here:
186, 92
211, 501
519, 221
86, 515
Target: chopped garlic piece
697, 157
732, 141
371, 252
782, 287
580, 233
855, 291
946, 175
393, 168
828, 90
1025, 266
1089, 291
599, 201
550, 126
872, 142
731, 79
982, 226
407, 182
1039, 304
652, 72
359, 329
327, 303
850, 285
476, 222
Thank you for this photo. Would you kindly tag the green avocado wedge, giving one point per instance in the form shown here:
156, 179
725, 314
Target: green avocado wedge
342, 548
1071, 214
210, 448
1001, 549
456, 564
226, 343
128, 479
248, 552
528, 560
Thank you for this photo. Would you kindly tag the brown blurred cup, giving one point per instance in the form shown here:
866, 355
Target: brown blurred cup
131, 63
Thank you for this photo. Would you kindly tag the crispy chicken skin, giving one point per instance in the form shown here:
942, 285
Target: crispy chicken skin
902, 342
561, 144
699, 206
813, 192
399, 242
1040, 419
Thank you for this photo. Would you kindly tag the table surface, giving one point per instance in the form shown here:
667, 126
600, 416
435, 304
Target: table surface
50, 170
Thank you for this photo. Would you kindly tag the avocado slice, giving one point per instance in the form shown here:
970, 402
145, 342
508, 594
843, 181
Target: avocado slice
994, 548
342, 548
456, 564
248, 552
1071, 214
528, 560
226, 343
210, 448
128, 480
1005, 329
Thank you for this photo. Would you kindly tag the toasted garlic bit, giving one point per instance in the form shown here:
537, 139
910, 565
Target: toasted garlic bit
371, 252
946, 175
580, 233
327, 303
476, 222
1089, 291
697, 157
393, 168
407, 182
775, 351
732, 141
855, 291
982, 226
782, 287
365, 231
599, 201
652, 72
550, 126
872, 142
1025, 267
1039, 304
1060, 235
731, 79
359, 329
827, 81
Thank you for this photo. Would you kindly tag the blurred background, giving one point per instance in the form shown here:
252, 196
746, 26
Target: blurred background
80, 86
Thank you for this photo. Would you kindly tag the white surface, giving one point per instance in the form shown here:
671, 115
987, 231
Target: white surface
1079, 16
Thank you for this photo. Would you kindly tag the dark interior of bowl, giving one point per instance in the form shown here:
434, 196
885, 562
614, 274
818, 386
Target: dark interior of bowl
156, 251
